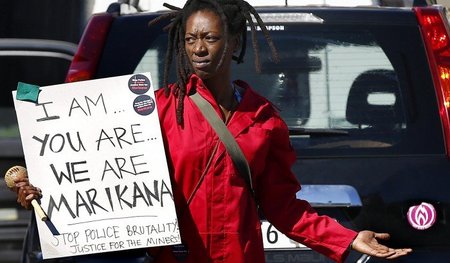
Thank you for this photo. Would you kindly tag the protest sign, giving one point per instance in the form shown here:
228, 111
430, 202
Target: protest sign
96, 151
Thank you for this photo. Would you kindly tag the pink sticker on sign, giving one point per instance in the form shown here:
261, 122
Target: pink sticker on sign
422, 216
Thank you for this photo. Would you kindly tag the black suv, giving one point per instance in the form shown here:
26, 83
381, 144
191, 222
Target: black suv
365, 92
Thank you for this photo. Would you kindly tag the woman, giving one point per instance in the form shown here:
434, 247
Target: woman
217, 211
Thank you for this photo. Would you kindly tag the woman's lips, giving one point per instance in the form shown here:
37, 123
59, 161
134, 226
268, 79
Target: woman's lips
200, 63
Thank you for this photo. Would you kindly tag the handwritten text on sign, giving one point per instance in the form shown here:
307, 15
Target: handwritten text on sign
95, 150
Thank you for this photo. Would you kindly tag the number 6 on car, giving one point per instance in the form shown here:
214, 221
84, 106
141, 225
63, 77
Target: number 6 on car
274, 239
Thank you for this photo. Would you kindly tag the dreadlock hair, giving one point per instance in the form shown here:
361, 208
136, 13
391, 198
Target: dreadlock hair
234, 15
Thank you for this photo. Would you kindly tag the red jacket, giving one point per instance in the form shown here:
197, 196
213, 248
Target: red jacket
221, 223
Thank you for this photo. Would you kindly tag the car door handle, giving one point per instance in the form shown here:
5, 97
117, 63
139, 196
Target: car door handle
330, 195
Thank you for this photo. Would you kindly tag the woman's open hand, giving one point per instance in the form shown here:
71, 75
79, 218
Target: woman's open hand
366, 242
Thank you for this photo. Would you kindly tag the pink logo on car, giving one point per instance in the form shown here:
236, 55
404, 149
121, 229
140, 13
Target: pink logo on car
422, 216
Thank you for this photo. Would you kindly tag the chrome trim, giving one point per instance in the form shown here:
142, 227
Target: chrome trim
330, 195
27, 44
363, 259
27, 53
290, 18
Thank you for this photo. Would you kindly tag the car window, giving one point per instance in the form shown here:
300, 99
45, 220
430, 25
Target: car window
39, 67
153, 61
342, 90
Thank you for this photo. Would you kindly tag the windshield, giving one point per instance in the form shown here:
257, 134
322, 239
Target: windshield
340, 89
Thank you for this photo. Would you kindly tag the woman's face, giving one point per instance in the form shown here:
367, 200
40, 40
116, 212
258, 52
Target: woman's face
205, 42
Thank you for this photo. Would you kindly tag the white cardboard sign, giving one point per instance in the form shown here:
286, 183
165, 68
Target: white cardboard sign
95, 149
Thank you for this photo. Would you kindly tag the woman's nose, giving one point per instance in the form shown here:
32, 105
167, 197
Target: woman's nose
199, 47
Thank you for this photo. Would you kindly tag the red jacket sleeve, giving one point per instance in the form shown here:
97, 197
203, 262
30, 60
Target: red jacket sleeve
276, 192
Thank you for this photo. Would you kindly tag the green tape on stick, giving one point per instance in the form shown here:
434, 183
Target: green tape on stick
27, 92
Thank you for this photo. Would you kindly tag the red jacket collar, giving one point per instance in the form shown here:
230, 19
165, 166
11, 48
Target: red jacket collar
252, 106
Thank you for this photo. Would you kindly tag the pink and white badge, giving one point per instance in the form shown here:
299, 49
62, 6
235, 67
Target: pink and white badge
422, 216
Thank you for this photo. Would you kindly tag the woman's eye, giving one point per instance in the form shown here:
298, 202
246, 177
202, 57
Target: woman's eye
189, 40
211, 38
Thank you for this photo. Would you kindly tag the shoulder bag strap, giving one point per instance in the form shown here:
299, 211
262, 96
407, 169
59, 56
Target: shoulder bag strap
225, 136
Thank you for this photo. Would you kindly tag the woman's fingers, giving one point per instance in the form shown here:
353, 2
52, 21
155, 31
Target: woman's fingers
400, 252
382, 236
26, 192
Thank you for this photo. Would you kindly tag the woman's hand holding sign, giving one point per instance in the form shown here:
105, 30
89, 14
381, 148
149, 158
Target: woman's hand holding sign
16, 179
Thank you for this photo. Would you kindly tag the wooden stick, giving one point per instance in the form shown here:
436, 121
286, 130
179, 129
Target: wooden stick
38, 210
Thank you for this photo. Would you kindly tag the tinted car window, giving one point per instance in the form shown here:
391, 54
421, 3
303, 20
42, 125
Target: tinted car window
34, 69
342, 90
